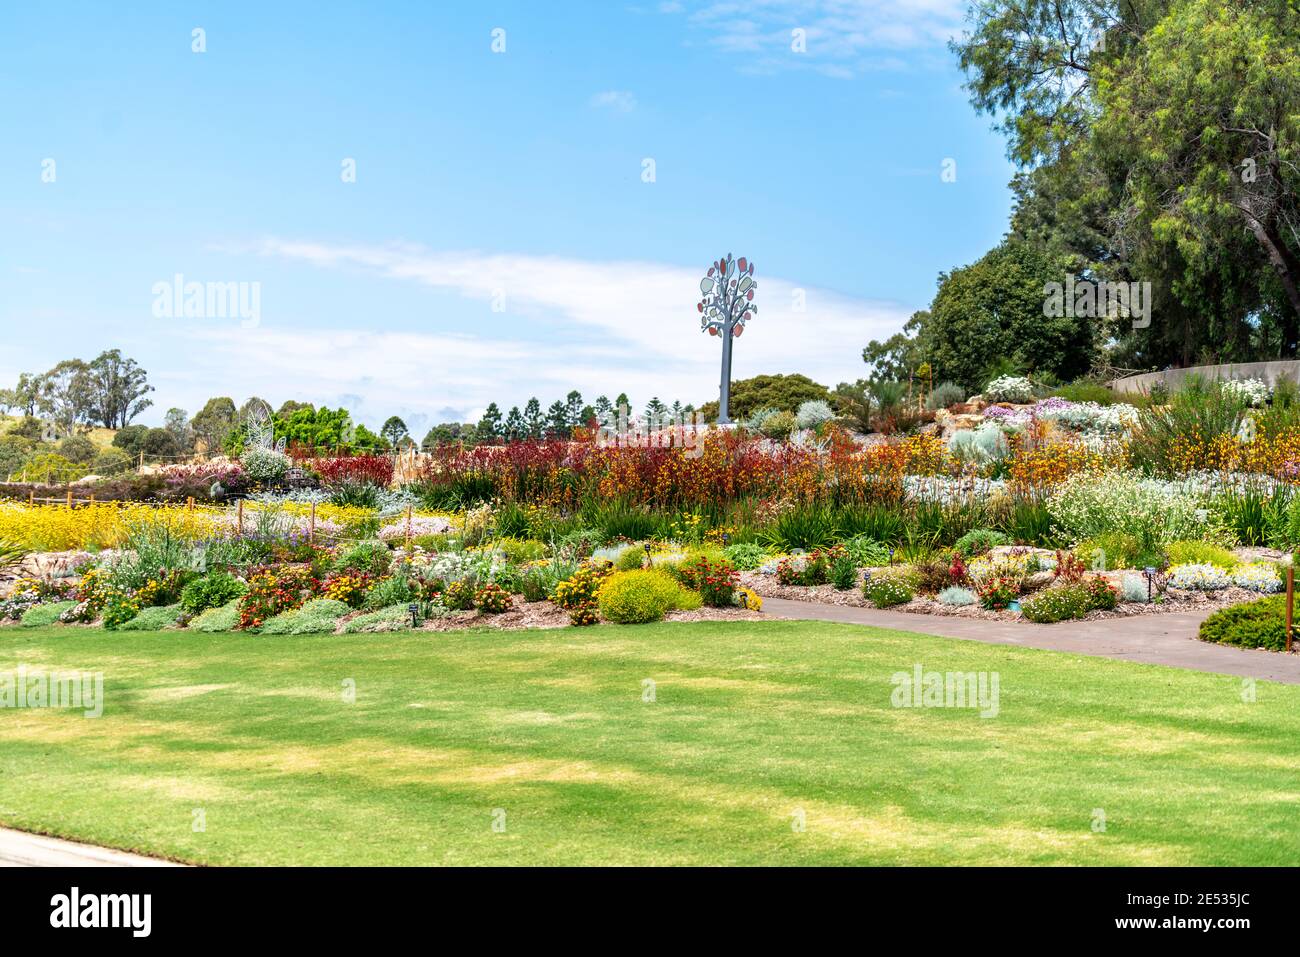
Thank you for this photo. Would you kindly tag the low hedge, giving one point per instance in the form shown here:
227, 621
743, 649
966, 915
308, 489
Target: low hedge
1256, 624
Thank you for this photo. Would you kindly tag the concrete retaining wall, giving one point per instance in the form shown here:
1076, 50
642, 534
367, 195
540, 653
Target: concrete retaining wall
1269, 372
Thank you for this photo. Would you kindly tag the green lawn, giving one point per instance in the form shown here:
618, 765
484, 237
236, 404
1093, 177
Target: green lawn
752, 724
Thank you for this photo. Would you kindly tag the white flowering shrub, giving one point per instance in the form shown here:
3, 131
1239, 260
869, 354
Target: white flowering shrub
1091, 417
1253, 391
1009, 388
1257, 576
1085, 506
1198, 577
263, 465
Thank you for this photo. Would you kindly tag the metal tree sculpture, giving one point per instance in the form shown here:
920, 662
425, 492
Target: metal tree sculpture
728, 304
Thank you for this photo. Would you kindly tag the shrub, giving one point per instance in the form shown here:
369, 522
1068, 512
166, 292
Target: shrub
155, 618
1101, 594
813, 413
1257, 576
273, 591
944, 395
1056, 604
348, 587
492, 599
225, 618
392, 618
1198, 577
1110, 551
630, 559
715, 580
956, 596
518, 551
318, 616
373, 557
1256, 624
778, 425
844, 573
1086, 505
984, 445
745, 556
1134, 588
866, 552
1009, 388
885, 591
637, 596
1086, 391
1200, 553
211, 591
997, 592
373, 470
264, 466
459, 595
396, 590
978, 541
580, 589
536, 584
48, 614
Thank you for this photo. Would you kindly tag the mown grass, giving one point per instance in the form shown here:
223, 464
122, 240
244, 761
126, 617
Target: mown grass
753, 726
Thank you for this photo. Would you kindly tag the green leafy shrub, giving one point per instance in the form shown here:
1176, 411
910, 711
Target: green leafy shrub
394, 590
225, 618
536, 584
944, 395
638, 596
47, 614
866, 552
630, 559
373, 557
155, 618
211, 591
1256, 624
978, 541
844, 573
318, 616
1056, 604
1200, 553
778, 425
885, 591
1110, 551
518, 551
745, 556
1085, 506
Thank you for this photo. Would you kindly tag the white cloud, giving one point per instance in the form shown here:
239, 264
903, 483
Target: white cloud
619, 101
844, 38
599, 327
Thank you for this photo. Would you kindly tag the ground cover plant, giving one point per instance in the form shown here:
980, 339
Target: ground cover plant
589, 768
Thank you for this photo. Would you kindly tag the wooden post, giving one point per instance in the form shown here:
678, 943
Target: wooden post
240, 519
189, 504
311, 529
92, 498
69, 496
1290, 602
31, 497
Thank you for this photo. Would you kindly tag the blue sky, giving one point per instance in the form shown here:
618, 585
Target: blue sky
500, 239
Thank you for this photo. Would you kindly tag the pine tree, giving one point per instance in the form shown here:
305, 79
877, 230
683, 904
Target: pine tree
489, 427
534, 423
515, 429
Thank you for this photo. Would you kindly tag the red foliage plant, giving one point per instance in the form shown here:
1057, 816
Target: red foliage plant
360, 469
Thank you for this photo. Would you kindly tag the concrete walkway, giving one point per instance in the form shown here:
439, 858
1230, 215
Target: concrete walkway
1168, 639
20, 849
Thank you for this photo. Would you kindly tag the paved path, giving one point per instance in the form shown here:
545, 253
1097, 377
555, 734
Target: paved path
20, 849
1168, 639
